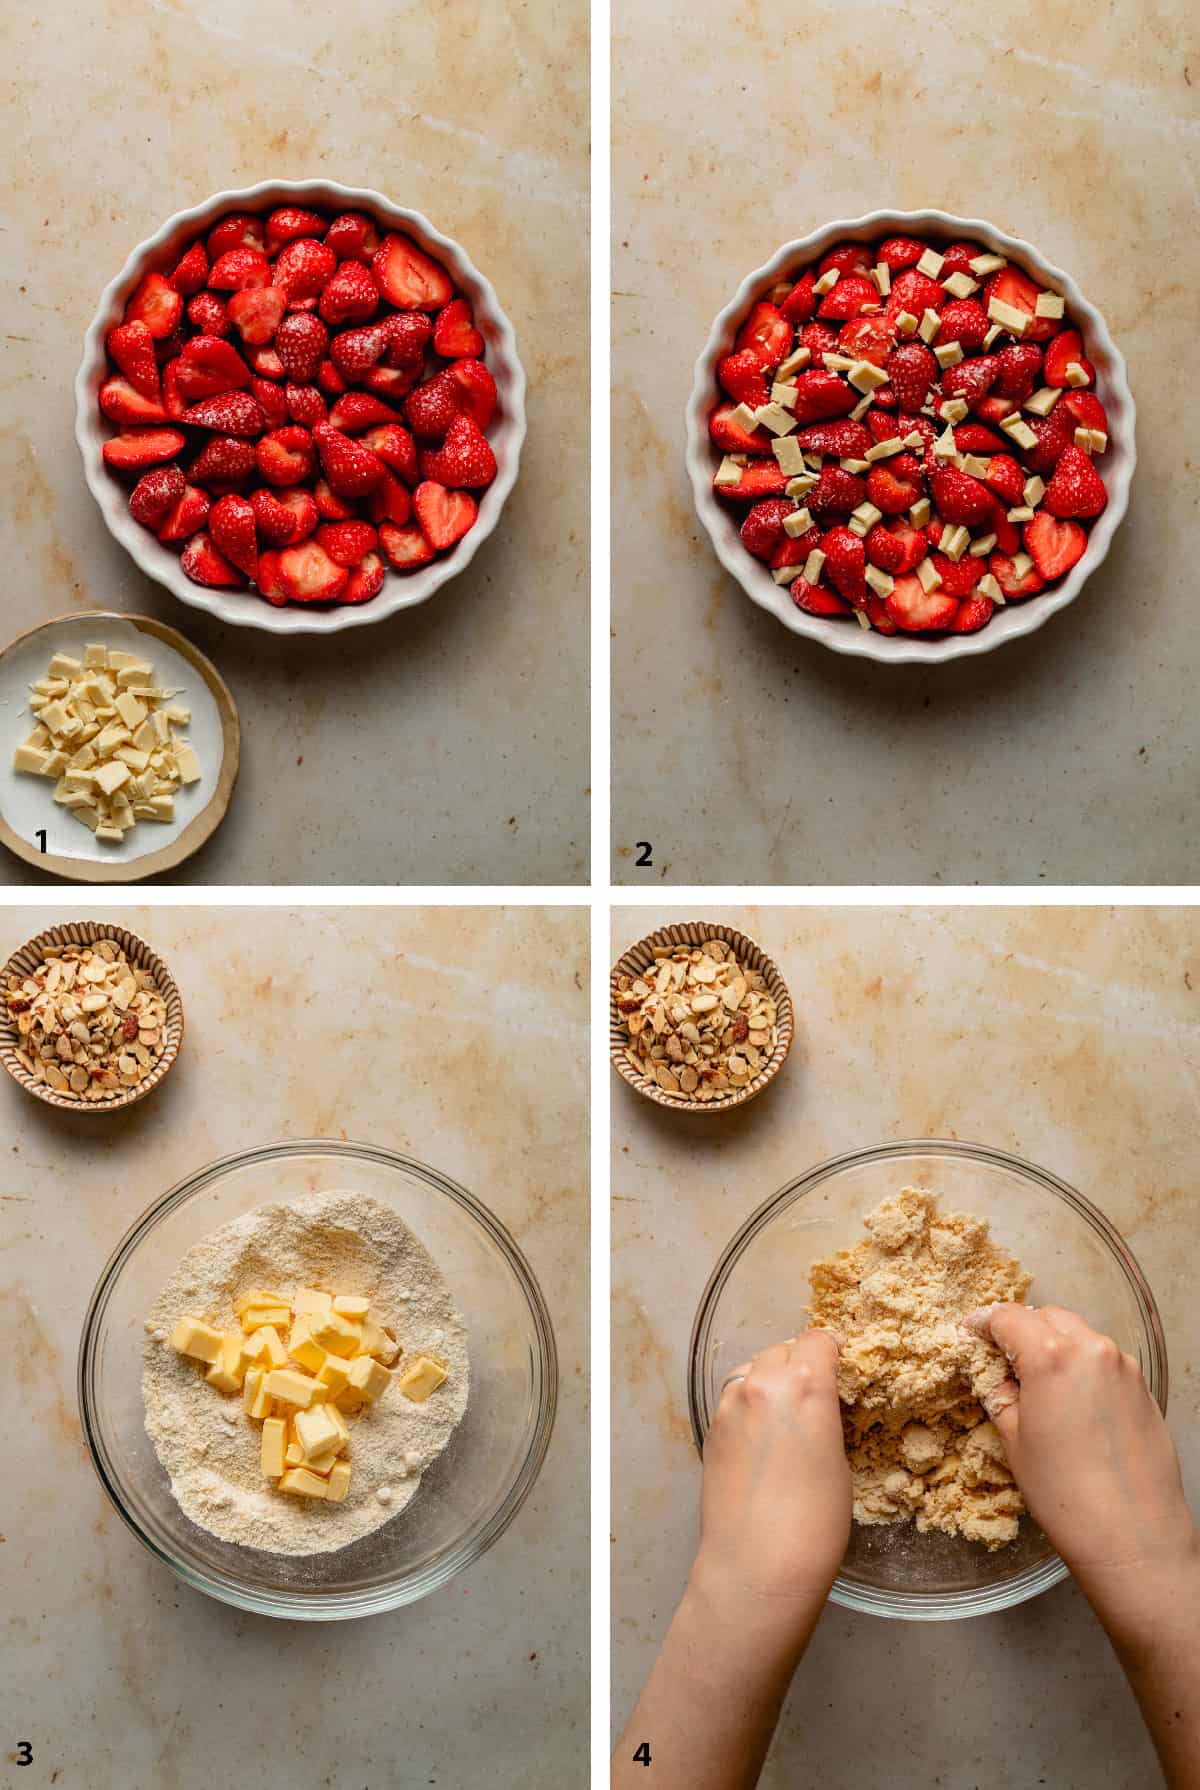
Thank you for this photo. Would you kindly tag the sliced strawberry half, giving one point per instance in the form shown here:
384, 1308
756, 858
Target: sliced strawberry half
286, 456
187, 517
191, 272
899, 252
895, 485
835, 494
236, 230
156, 304
288, 222
407, 548
915, 293
1053, 545
301, 343
801, 301
396, 448
743, 378
122, 403
409, 278
224, 460
845, 565
238, 269
917, 610
208, 366
1013, 287
896, 547
973, 613
867, 338
233, 413
959, 577
304, 268
1054, 433
852, 294
958, 497
1001, 567
465, 460
1085, 409
762, 478
355, 411
730, 437
366, 581
346, 542
762, 529
352, 237
814, 599
1005, 478
256, 313
155, 494
911, 371
445, 516
351, 295
847, 257
131, 346
766, 334
389, 501
820, 393
308, 575
231, 528
842, 439
204, 564
208, 313
352, 470
284, 517
1018, 370
965, 322
1066, 349
139, 448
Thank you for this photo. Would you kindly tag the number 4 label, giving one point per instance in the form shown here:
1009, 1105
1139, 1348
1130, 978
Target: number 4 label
642, 1756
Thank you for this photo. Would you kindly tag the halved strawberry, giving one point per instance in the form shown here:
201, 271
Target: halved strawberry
265, 361
354, 352
366, 581
820, 394
993, 409
330, 380
957, 258
1076, 488
304, 268
301, 342
273, 401
332, 507
204, 564
360, 410
407, 548
305, 404
351, 295
1019, 368
895, 485
308, 575
917, 610
1005, 478
1054, 433
191, 272
973, 614
958, 497
256, 313
766, 334
1008, 535
971, 379
1060, 353
878, 616
131, 346
843, 439
286, 456
389, 501
223, 461
845, 565
1001, 567
801, 301
475, 392
236, 230
959, 577
847, 257
391, 383
762, 529
899, 252
208, 314
1053, 545
156, 493
284, 518
793, 550
209, 366
269, 583
455, 336
835, 494
233, 413
1013, 287
896, 546
911, 370
965, 322
445, 516
730, 437
408, 278
187, 517
231, 528
977, 438
1084, 408
465, 459
238, 269
156, 304
819, 339
849, 297
761, 478
867, 338
352, 237
396, 448
289, 222
915, 293
121, 403
814, 599
743, 378
352, 470
346, 542
885, 425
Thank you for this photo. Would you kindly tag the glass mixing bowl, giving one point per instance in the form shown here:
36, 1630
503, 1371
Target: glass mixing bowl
759, 1290
470, 1494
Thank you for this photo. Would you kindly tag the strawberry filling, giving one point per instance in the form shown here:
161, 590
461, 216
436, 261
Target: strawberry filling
931, 407
302, 391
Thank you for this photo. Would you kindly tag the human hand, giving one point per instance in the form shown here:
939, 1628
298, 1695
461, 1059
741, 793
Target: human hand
775, 1498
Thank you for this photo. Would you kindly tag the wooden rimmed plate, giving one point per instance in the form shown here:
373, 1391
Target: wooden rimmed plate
27, 803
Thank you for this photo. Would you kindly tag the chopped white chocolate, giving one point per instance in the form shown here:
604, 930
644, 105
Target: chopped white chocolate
994, 333
981, 545
960, 285
881, 450
775, 418
880, 582
802, 484
742, 417
867, 514
782, 393
929, 325
1034, 491
787, 452
1019, 430
920, 512
812, 566
881, 273
838, 363
988, 587
953, 410
944, 447
798, 523
978, 465
1042, 402
928, 573
827, 281
1077, 374
955, 541
728, 473
861, 408
865, 376
907, 324
1009, 317
1049, 304
785, 574
798, 358
988, 263
852, 464
1022, 513
1022, 565
930, 264
948, 354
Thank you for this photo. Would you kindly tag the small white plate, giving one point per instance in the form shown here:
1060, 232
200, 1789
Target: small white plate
27, 803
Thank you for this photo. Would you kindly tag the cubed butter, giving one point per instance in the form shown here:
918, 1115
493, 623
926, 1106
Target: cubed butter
255, 1398
368, 1377
192, 1336
302, 1483
352, 1306
333, 1375
302, 1348
290, 1387
259, 1298
274, 1443
274, 1353
423, 1376
335, 1334
258, 1316
317, 1434
338, 1483
228, 1371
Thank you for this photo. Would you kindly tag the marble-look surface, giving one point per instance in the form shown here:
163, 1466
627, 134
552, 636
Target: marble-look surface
117, 1672
449, 744
1066, 756
1071, 1037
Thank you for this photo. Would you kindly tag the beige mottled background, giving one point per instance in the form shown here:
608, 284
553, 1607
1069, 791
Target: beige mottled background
1065, 757
450, 744
1070, 1036
460, 1036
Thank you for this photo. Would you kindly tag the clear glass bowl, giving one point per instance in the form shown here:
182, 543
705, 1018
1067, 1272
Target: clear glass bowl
758, 1293
470, 1494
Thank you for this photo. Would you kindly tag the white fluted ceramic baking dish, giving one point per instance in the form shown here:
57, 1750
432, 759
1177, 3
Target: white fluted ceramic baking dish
723, 520
160, 254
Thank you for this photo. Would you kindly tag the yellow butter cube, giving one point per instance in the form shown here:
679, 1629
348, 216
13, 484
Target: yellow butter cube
351, 1306
340, 1424
338, 1483
255, 1397
227, 1371
423, 1376
294, 1456
374, 1340
303, 1349
274, 1354
335, 1334
192, 1336
309, 1300
258, 1296
303, 1483
274, 1438
317, 1433
334, 1375
258, 1316
370, 1380
290, 1386
254, 1349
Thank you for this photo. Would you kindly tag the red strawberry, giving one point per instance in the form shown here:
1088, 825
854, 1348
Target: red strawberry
305, 404
167, 348
1060, 353
895, 547
1019, 368
131, 346
835, 494
814, 599
192, 271
743, 378
346, 542
993, 409
476, 390
207, 313
352, 470
464, 461
971, 379
762, 530
919, 425
1085, 409
959, 577
958, 497
301, 342
122, 404
819, 339
365, 582
852, 292
965, 322
308, 575
760, 479
233, 413
352, 237
845, 565
445, 516
408, 278
1054, 433
304, 268
899, 252
238, 269
1005, 478
284, 519
1013, 287
895, 485
1076, 488
330, 380
957, 258
972, 615
156, 304
801, 301
286, 456
390, 501
456, 338
730, 437
257, 312
1054, 545
407, 548
396, 448
432, 407
1001, 567
847, 257
878, 616
290, 222
409, 334
355, 351
236, 230
209, 366
351, 295
360, 410
304, 305
911, 370
842, 440
917, 610
155, 493
914, 293
392, 383
1008, 535
867, 338
231, 527
187, 517
822, 394
204, 564
881, 426
223, 460
975, 438
265, 360
273, 401
793, 550
269, 583
766, 334
332, 508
